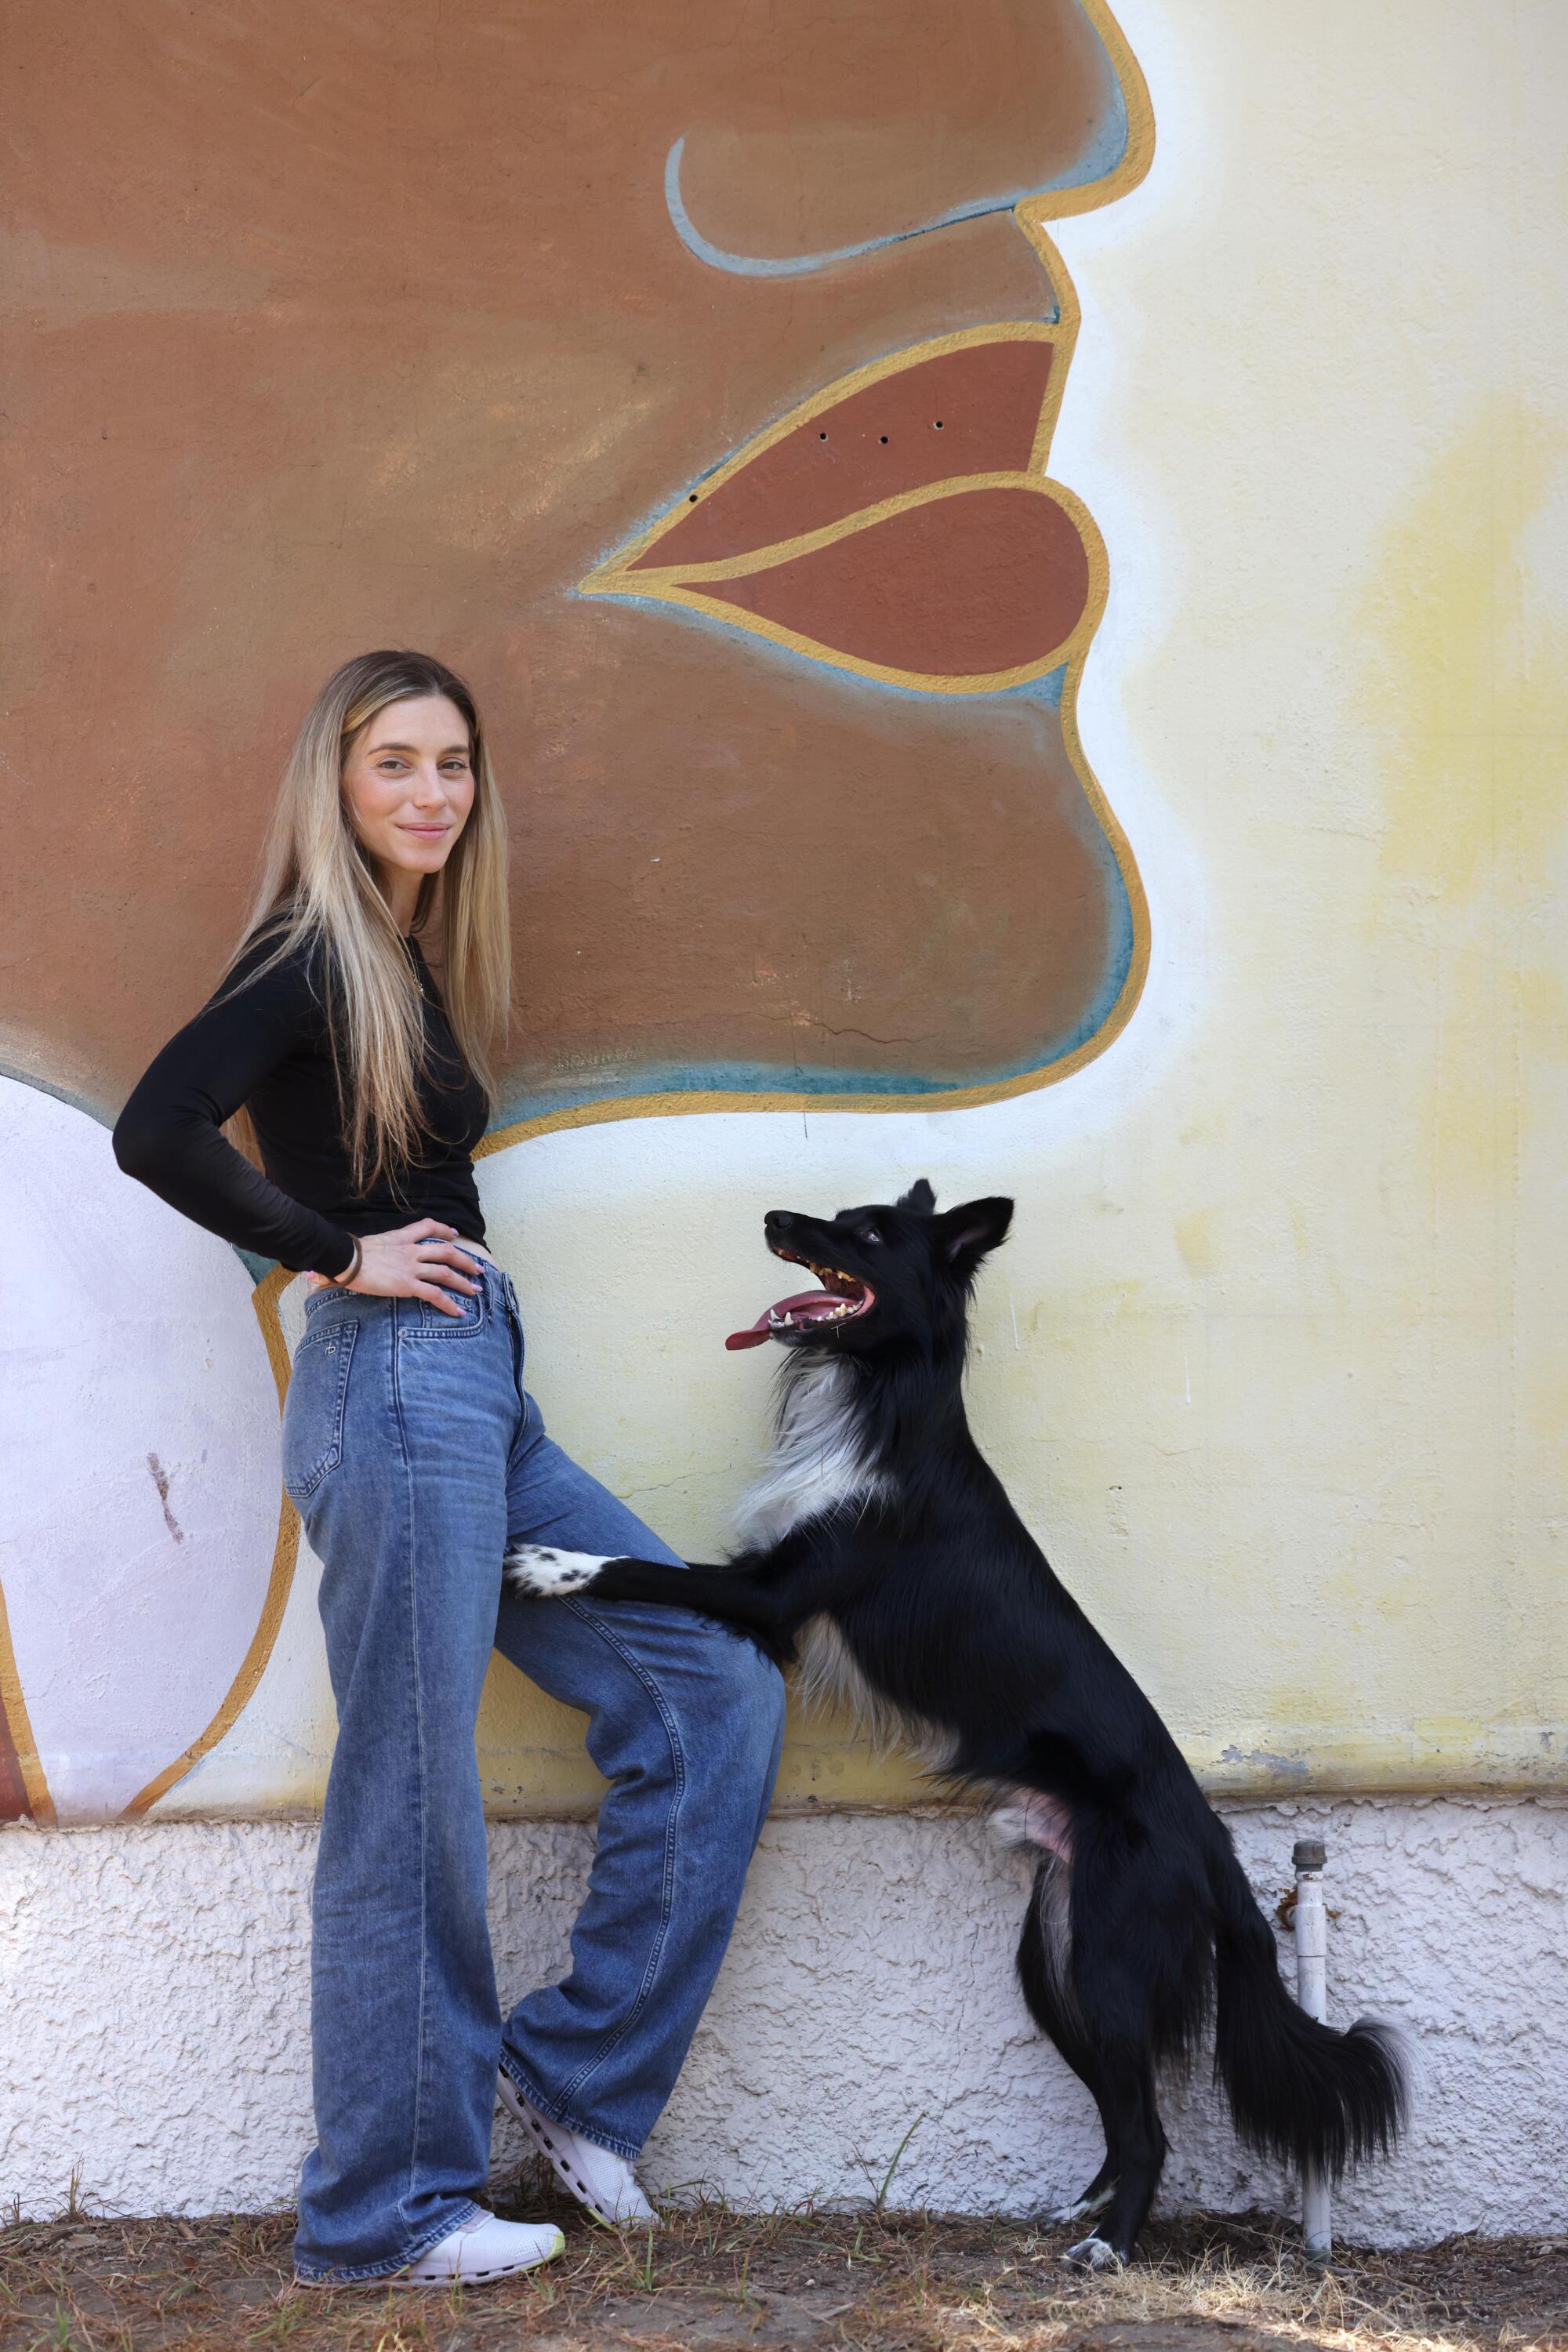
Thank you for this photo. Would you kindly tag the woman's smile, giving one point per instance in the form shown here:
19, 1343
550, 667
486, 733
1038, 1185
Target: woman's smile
408, 785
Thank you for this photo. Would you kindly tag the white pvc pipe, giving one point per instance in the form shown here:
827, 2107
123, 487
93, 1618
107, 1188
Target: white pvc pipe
1313, 1993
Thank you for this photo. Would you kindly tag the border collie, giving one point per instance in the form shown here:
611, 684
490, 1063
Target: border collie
879, 1548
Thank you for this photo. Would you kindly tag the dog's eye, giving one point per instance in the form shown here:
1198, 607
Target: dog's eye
869, 1233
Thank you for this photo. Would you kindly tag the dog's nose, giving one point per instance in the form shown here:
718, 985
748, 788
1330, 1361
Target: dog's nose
778, 1221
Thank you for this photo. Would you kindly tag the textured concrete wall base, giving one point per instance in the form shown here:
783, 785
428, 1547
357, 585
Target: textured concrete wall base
153, 2033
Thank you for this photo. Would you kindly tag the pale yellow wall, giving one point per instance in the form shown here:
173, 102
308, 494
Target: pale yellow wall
1277, 1364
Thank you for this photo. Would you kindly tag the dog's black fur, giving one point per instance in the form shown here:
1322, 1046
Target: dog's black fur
943, 1613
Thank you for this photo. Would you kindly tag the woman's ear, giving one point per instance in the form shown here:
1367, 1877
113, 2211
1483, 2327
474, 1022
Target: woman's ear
967, 1235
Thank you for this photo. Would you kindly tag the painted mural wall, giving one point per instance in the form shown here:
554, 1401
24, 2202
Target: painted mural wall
1016, 564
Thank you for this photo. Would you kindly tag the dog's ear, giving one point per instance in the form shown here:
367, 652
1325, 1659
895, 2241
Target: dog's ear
919, 1197
967, 1235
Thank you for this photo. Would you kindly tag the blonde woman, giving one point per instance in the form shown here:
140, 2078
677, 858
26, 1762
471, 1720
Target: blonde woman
415, 1454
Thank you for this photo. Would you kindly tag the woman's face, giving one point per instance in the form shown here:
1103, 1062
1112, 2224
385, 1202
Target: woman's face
408, 785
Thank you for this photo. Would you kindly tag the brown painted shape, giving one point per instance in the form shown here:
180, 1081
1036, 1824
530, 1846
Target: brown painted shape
275, 395
965, 586
971, 411
878, 883
837, 114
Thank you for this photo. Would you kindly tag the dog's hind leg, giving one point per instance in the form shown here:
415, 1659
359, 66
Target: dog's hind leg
1113, 1998
1042, 1951
1129, 2080
1100, 2189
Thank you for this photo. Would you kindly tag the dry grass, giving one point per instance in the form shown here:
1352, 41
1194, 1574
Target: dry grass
847, 2283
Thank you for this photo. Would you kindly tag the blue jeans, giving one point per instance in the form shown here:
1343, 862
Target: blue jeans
415, 1454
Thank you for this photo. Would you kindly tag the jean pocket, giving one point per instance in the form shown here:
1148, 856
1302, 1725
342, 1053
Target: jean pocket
434, 1323
314, 1407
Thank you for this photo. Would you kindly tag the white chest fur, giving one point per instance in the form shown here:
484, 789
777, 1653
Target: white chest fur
819, 1464
818, 1461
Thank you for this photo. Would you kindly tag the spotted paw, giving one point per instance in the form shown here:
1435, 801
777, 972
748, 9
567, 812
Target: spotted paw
1093, 2255
542, 1574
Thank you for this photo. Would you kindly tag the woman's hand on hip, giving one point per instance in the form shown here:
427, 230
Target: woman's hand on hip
425, 1260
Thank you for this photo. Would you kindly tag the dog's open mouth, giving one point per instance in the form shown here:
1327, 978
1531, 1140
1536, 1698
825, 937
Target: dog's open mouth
842, 1298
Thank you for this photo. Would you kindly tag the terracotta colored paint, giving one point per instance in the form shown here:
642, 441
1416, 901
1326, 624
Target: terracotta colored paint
281, 395
971, 411
1016, 872
965, 586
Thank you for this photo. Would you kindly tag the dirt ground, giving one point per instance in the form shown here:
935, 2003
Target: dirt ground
847, 2283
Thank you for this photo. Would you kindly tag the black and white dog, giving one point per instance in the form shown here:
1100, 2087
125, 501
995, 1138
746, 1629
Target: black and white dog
879, 1547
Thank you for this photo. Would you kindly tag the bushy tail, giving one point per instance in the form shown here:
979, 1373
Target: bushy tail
1296, 2090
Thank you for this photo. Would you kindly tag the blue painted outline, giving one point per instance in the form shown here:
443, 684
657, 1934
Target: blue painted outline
1099, 158
774, 1078
1047, 687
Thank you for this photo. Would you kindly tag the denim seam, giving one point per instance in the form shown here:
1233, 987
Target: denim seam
519, 1347
419, 1775
432, 2237
523, 2082
666, 1892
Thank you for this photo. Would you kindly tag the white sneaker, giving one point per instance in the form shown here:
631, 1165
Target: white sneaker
484, 2248
598, 2178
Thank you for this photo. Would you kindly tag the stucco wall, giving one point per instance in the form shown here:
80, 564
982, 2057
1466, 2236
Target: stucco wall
154, 2037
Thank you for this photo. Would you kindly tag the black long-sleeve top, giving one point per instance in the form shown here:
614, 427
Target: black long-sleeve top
268, 1047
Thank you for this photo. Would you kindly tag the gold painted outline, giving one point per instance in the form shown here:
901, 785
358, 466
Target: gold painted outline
14, 1706
607, 1109
285, 1556
673, 584
616, 577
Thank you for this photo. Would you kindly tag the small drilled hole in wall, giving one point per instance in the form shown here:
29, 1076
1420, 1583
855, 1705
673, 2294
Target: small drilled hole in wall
939, 424
884, 440
822, 436
691, 502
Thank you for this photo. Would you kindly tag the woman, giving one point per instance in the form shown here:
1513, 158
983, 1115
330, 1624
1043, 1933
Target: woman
415, 1454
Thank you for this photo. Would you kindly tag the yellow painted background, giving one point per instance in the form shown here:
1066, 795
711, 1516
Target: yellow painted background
1277, 1362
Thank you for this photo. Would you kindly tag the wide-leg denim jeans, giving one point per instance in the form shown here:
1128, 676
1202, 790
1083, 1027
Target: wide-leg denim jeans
415, 1454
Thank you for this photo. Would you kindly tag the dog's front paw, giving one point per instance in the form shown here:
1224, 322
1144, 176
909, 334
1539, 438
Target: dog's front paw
543, 1574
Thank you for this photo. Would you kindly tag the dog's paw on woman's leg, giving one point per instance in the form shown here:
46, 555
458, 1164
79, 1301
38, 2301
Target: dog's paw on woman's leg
541, 1574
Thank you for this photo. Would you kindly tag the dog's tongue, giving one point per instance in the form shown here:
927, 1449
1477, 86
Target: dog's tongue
809, 1303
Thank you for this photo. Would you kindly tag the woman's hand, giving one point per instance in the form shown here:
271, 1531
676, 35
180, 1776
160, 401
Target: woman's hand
425, 1260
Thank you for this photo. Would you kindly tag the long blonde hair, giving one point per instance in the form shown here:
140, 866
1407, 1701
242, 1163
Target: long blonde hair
317, 886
